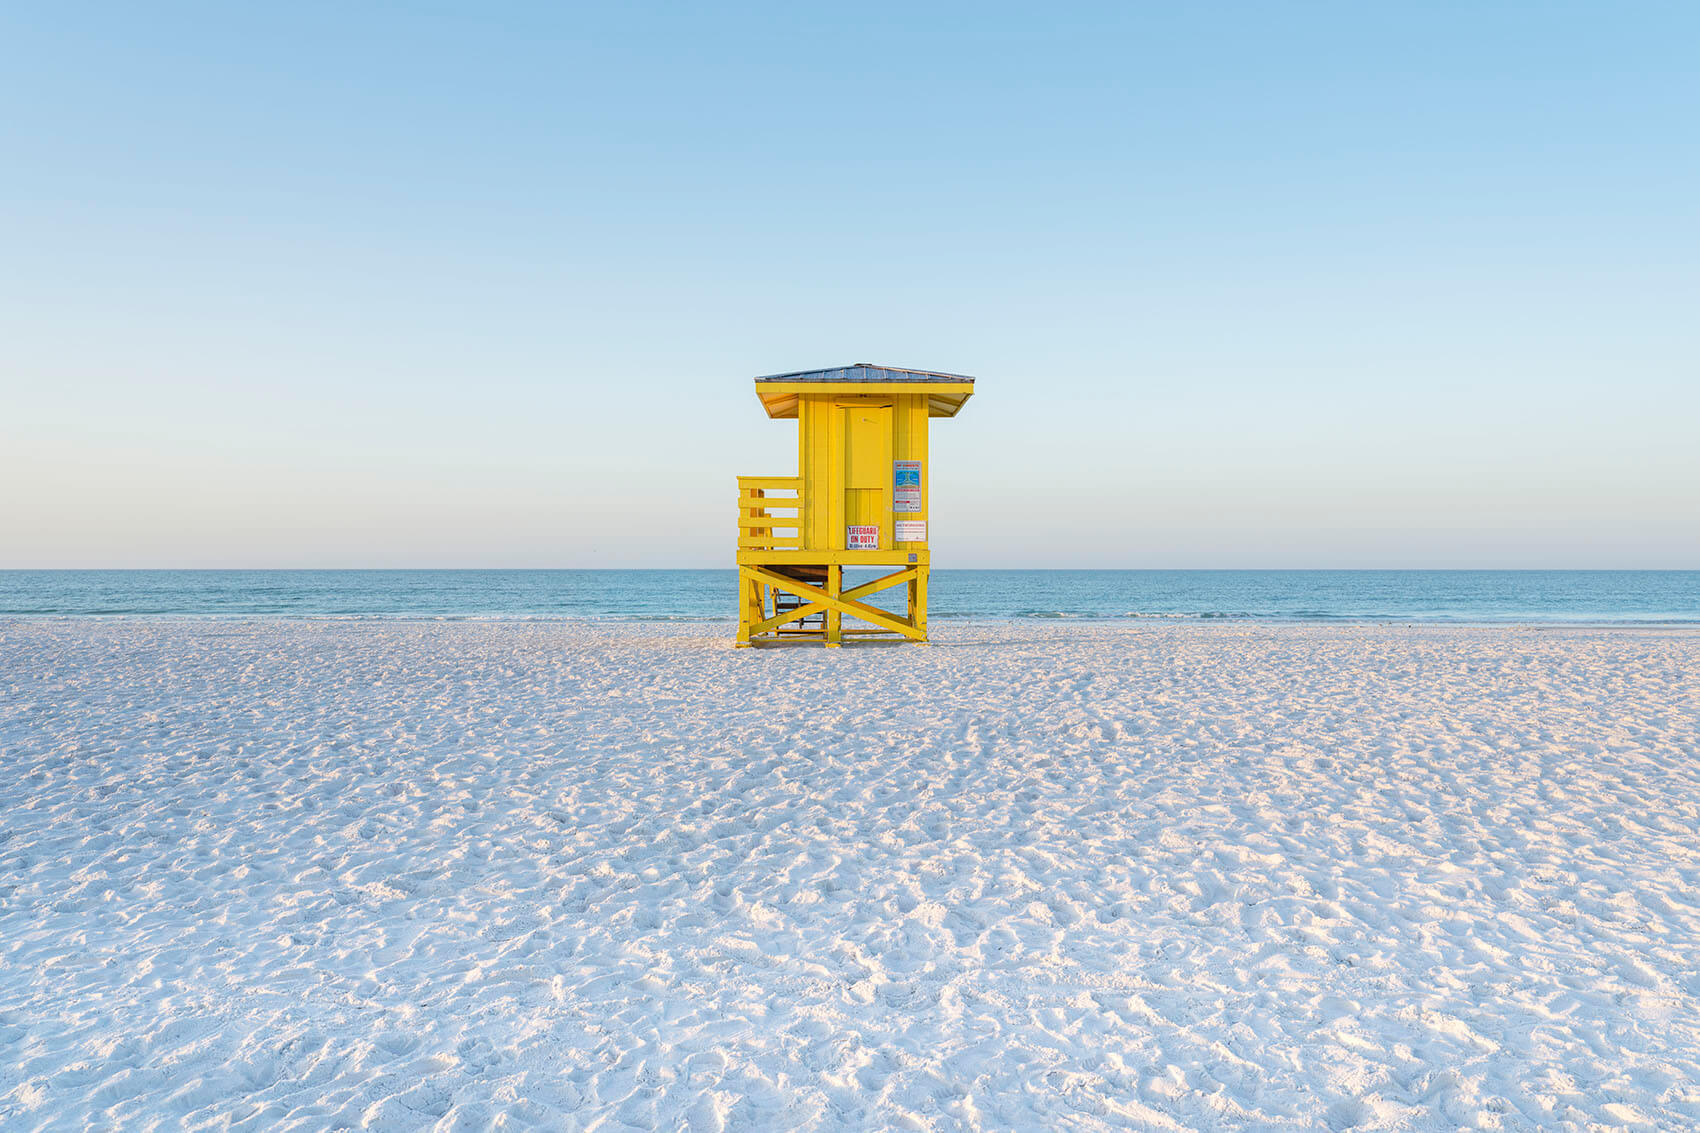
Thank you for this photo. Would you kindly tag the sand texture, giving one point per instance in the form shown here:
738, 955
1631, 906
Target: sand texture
415, 875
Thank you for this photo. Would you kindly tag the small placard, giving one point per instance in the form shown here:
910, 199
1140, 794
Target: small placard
911, 531
906, 486
862, 537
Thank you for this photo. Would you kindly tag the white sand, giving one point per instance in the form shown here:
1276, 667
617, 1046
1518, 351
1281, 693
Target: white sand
404, 875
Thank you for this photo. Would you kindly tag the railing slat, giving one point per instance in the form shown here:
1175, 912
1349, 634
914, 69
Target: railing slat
758, 526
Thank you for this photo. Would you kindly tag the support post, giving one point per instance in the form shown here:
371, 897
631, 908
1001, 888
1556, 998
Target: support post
746, 588
834, 618
918, 602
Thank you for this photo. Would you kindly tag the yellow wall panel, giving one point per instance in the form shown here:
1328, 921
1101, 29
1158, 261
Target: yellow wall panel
846, 453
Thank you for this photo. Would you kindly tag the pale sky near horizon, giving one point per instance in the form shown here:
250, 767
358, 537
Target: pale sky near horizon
1245, 285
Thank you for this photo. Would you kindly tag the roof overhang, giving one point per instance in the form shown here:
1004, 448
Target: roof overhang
780, 394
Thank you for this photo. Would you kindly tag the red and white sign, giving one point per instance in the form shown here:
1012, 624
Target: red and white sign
862, 537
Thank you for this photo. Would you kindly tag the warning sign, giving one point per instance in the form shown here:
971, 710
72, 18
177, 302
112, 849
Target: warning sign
862, 537
911, 531
906, 486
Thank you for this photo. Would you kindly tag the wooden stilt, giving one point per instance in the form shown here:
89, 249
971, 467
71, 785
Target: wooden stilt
834, 618
746, 584
918, 603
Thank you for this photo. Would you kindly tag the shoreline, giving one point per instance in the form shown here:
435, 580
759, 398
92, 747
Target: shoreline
938, 620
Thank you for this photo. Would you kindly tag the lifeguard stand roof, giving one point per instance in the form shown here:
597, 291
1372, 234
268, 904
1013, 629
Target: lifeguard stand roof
945, 392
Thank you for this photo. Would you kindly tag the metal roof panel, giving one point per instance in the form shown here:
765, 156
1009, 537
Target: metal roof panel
865, 372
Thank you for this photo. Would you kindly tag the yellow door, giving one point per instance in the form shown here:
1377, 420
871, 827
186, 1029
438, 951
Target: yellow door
867, 475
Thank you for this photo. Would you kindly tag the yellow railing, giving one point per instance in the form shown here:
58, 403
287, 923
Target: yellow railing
757, 505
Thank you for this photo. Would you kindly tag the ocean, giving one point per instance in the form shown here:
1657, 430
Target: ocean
1470, 596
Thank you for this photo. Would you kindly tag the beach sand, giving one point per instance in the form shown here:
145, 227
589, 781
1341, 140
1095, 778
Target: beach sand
408, 874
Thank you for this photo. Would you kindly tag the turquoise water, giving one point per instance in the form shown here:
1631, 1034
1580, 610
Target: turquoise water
1633, 597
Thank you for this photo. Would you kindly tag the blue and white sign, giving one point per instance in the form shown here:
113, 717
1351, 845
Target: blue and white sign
906, 486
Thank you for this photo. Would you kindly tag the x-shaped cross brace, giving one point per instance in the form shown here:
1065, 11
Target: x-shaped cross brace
845, 603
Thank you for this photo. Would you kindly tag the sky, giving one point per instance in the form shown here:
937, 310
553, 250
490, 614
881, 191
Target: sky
484, 285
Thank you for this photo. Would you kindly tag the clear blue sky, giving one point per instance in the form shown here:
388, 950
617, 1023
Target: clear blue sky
1308, 284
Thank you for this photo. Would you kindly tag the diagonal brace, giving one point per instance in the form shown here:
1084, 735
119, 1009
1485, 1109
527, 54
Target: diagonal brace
885, 582
846, 603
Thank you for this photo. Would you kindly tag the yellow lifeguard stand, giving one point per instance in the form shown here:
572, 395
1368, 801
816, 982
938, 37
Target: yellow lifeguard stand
860, 499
